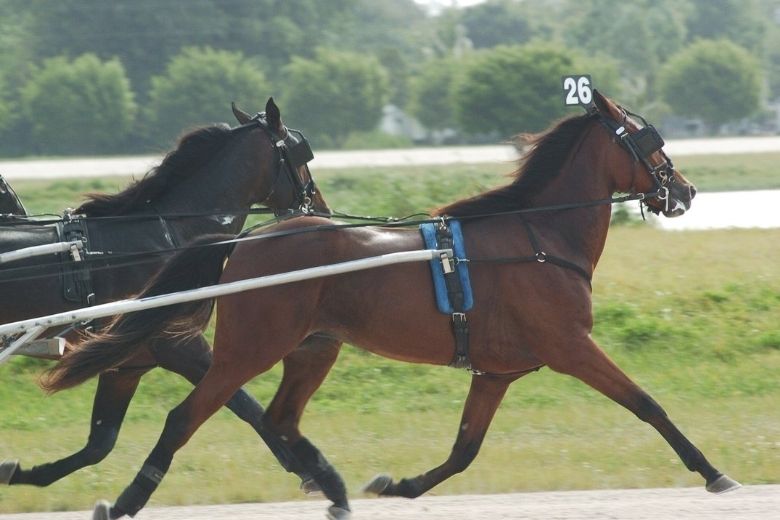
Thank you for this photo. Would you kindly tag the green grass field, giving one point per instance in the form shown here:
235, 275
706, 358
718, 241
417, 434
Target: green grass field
692, 316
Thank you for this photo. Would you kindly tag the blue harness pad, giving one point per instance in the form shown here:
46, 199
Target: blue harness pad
428, 232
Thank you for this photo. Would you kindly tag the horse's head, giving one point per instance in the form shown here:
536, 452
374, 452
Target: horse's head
292, 185
642, 166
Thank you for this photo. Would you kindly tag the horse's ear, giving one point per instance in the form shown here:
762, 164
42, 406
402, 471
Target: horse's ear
605, 105
273, 116
242, 116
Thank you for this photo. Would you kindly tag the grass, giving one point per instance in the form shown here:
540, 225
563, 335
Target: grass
691, 316
731, 172
402, 191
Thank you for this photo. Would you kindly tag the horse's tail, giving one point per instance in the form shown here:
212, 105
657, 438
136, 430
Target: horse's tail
116, 343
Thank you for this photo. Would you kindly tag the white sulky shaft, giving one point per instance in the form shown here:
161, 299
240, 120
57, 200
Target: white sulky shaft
213, 291
29, 335
27, 252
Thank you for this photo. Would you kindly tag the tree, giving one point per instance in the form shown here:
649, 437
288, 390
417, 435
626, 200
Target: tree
517, 88
143, 34
197, 88
640, 35
432, 93
334, 94
79, 106
737, 20
5, 112
146, 34
497, 22
715, 80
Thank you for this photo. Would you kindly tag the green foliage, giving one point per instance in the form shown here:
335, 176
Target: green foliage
639, 35
739, 21
432, 91
717, 81
334, 94
5, 112
499, 22
509, 88
79, 106
622, 45
198, 86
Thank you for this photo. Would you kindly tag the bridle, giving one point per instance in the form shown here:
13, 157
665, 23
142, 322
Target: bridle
292, 151
642, 144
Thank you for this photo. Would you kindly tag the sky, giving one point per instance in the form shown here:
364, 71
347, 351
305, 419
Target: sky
436, 5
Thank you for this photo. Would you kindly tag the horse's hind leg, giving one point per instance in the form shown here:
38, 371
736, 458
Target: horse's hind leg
587, 362
304, 370
191, 359
484, 397
113, 395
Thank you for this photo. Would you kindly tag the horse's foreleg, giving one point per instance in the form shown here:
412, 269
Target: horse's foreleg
304, 370
113, 395
191, 359
587, 362
484, 397
209, 395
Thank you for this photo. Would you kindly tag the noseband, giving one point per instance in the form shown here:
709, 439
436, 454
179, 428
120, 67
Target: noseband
293, 151
642, 145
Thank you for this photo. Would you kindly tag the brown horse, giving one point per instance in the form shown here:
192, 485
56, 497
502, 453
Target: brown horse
206, 185
532, 303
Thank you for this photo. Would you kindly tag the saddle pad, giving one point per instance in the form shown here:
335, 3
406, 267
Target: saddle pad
428, 232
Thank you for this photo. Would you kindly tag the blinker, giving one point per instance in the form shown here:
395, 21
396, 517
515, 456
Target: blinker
300, 153
648, 141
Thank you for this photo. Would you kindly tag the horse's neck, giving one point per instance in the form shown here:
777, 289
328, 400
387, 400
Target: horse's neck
211, 190
581, 233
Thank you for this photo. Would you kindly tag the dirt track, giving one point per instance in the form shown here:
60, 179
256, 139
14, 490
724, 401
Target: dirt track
748, 503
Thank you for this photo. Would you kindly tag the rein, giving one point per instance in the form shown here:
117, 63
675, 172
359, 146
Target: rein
130, 259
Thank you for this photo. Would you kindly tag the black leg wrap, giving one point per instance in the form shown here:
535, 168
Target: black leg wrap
322, 472
134, 498
408, 488
249, 410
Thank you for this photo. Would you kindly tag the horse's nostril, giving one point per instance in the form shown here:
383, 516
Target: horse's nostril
692, 190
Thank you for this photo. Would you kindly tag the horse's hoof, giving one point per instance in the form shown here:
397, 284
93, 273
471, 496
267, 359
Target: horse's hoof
338, 513
7, 470
723, 484
310, 487
102, 510
378, 484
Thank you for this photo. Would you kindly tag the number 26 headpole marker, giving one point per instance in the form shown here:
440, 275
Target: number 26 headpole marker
578, 91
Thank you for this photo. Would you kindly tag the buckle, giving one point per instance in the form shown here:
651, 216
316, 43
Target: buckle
447, 263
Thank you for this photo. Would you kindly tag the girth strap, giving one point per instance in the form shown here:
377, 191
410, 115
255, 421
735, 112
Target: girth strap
460, 326
76, 275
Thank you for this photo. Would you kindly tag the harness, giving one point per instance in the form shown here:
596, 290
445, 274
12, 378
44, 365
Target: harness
451, 282
641, 145
75, 273
293, 152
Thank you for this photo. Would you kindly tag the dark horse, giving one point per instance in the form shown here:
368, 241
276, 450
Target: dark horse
530, 273
205, 185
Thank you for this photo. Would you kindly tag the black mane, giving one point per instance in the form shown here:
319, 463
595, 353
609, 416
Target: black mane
190, 152
549, 151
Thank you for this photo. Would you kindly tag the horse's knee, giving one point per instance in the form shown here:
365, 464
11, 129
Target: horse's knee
463, 457
647, 409
99, 445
